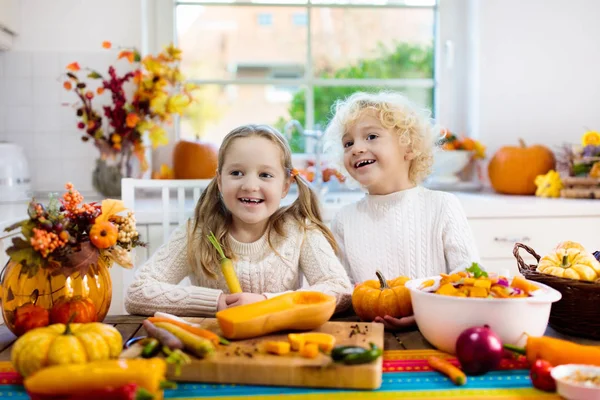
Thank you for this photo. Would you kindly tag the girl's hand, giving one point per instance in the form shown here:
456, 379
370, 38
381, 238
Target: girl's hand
221, 303
238, 299
396, 324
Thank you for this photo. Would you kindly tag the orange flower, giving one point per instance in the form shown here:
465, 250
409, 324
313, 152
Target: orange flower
67, 85
126, 54
74, 66
106, 44
468, 144
132, 120
100, 90
89, 95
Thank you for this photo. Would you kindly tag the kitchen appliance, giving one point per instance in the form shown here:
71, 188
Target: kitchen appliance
15, 180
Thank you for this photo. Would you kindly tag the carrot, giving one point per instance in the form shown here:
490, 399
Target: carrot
557, 351
197, 345
456, 375
226, 266
205, 333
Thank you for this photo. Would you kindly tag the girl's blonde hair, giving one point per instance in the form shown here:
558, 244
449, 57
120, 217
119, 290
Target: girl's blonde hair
412, 124
212, 216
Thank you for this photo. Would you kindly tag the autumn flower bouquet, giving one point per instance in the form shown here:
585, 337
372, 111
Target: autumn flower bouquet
450, 141
118, 130
58, 268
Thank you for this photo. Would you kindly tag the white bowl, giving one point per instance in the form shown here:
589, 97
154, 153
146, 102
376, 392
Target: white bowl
574, 390
441, 319
447, 163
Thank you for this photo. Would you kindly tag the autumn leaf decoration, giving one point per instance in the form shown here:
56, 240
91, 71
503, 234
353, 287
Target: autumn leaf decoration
110, 207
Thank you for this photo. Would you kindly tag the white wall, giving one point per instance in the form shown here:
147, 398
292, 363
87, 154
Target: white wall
535, 70
53, 34
521, 69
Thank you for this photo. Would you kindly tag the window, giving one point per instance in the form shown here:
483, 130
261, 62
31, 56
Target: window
320, 51
265, 19
299, 19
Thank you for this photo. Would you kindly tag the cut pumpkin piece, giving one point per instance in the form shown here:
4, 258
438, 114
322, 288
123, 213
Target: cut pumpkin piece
519, 282
279, 348
310, 350
324, 341
302, 310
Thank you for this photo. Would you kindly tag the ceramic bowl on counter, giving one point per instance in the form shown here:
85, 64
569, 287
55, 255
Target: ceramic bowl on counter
577, 382
447, 164
441, 319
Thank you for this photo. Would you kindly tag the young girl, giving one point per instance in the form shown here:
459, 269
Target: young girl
270, 245
385, 144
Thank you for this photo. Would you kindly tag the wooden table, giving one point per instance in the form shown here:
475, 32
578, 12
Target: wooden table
131, 326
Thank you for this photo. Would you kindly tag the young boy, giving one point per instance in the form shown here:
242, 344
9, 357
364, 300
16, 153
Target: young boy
385, 144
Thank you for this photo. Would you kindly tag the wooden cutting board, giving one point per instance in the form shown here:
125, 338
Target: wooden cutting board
246, 362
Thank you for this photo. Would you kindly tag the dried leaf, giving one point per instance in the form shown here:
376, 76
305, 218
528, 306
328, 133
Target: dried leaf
110, 207
94, 75
79, 261
15, 225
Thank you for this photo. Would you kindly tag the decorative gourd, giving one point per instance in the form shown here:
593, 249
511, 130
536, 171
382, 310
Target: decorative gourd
104, 234
374, 298
570, 262
65, 344
76, 309
548, 185
568, 244
513, 169
301, 310
194, 160
30, 316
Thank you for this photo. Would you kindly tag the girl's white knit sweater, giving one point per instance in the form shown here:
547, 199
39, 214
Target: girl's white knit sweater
416, 232
258, 267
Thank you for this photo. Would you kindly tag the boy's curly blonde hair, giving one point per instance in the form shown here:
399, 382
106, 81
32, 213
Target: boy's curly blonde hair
412, 123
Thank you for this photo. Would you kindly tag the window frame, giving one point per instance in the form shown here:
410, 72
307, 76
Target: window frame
448, 82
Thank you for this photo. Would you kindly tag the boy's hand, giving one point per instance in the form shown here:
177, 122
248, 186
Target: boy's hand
396, 324
238, 299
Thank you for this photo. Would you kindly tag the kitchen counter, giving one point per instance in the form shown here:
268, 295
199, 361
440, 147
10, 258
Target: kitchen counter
484, 204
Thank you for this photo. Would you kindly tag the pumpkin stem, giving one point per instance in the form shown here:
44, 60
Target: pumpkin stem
68, 324
565, 260
522, 143
382, 280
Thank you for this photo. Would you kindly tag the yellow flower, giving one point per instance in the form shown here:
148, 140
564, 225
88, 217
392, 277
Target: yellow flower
177, 104
548, 185
158, 104
158, 136
173, 52
590, 138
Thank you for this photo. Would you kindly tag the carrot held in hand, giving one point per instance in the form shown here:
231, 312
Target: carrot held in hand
455, 374
226, 266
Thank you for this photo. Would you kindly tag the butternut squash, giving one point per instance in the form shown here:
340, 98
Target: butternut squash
277, 347
301, 310
311, 350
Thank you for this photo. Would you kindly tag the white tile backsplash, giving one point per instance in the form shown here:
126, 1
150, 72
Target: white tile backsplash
46, 65
37, 113
47, 118
19, 119
18, 91
18, 65
46, 91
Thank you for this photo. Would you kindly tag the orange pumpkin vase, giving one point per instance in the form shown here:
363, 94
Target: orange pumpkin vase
194, 160
380, 297
512, 170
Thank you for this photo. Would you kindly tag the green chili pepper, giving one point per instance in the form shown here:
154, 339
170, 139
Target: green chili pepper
151, 348
365, 357
340, 352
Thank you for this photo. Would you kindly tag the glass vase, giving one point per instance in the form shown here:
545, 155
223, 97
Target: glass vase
81, 292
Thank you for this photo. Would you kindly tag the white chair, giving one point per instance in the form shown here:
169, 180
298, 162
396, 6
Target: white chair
163, 202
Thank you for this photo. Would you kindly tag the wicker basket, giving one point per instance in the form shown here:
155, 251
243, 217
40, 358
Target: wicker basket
578, 312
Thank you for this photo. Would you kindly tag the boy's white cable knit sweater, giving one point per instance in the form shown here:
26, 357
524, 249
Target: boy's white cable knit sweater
259, 270
416, 232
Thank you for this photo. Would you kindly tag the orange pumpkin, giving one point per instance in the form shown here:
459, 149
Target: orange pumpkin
512, 170
104, 234
28, 317
82, 309
380, 297
194, 160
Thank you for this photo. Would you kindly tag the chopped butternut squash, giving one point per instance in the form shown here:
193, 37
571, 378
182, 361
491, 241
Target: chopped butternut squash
324, 341
279, 348
310, 350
